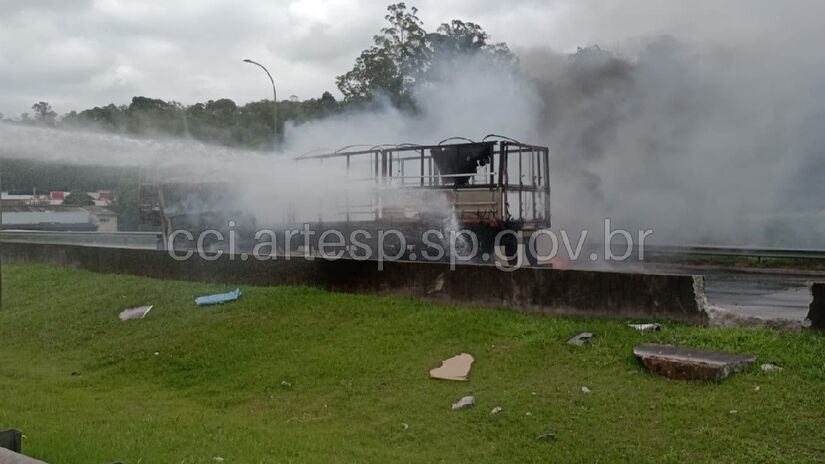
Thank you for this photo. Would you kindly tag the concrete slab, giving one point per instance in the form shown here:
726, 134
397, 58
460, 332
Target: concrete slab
678, 362
456, 368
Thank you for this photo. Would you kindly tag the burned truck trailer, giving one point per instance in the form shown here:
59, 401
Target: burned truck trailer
484, 189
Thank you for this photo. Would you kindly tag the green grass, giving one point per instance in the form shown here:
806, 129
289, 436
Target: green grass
187, 384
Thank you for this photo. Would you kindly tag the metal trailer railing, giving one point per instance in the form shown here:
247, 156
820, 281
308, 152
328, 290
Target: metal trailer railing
519, 172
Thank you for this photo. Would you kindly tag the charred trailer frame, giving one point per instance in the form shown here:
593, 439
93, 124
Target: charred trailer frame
484, 187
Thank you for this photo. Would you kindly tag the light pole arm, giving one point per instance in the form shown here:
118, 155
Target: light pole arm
274, 97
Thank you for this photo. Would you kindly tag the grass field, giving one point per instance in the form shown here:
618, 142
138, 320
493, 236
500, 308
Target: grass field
188, 384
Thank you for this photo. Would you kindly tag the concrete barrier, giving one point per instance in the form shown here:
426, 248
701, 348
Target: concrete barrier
816, 313
534, 290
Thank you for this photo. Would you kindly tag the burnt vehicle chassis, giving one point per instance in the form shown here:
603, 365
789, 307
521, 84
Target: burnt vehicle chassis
482, 187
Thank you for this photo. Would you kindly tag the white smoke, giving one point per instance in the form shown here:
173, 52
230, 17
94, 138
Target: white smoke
703, 123
703, 129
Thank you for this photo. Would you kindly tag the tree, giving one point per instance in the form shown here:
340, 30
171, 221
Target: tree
43, 113
458, 37
126, 203
109, 117
374, 73
405, 42
150, 115
400, 56
78, 198
404, 55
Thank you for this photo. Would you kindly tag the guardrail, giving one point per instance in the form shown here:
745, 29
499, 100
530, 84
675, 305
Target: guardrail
128, 240
701, 250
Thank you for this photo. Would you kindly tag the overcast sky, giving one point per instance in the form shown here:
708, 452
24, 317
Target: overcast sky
82, 53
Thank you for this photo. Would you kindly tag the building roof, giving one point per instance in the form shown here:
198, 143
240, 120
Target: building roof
43, 209
46, 217
100, 211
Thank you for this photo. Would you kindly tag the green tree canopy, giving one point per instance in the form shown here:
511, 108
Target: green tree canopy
403, 55
78, 198
43, 113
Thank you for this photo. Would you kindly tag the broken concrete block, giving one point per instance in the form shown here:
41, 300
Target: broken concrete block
580, 339
465, 402
678, 362
456, 368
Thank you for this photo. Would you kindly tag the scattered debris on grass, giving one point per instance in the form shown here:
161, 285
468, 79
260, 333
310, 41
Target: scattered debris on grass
549, 435
465, 402
217, 459
678, 362
646, 327
528, 413
456, 368
768, 367
405, 426
733, 411
285, 384
135, 313
756, 388
496, 410
219, 298
580, 339
585, 389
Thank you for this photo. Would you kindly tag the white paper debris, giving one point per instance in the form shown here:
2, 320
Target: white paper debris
465, 402
134, 313
646, 327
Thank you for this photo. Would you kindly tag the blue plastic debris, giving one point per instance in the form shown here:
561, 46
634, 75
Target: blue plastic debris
219, 298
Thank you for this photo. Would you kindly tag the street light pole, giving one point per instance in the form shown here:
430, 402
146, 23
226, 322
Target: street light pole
274, 99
